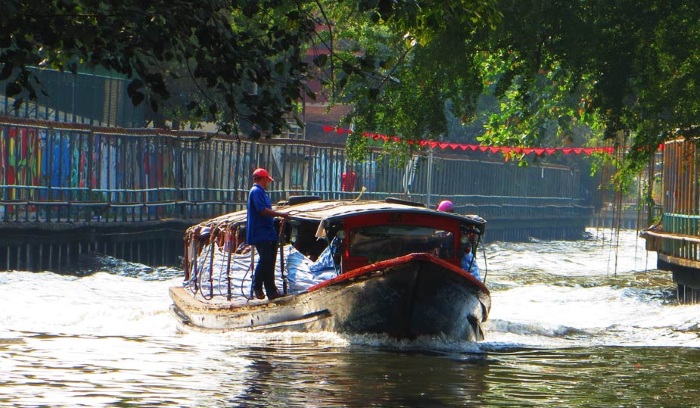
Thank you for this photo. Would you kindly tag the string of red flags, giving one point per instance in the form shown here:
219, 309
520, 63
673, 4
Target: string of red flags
539, 151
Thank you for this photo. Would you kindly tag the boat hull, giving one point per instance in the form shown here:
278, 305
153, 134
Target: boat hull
407, 297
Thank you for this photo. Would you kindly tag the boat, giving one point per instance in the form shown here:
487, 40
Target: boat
386, 267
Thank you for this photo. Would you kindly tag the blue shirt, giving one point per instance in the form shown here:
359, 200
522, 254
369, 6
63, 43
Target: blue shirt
259, 228
469, 265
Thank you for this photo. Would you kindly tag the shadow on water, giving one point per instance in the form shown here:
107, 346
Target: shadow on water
361, 377
357, 376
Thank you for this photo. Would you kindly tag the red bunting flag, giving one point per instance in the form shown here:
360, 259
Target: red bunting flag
539, 151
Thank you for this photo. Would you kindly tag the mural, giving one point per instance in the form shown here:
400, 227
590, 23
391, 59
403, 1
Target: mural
39, 164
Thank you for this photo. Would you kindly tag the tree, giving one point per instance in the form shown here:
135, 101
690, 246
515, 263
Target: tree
627, 68
401, 63
245, 57
623, 70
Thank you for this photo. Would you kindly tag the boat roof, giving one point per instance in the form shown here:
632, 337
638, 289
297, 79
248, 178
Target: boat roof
326, 210
319, 210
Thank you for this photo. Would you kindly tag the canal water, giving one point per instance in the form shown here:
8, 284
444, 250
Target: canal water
572, 324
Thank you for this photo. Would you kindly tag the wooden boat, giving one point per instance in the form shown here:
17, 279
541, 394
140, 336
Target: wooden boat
386, 267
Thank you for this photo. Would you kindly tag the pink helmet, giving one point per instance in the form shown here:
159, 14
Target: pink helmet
446, 206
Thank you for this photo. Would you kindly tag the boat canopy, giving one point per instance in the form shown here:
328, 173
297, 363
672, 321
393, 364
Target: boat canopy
357, 233
335, 210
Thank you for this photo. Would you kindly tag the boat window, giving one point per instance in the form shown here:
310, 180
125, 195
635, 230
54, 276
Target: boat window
303, 236
377, 243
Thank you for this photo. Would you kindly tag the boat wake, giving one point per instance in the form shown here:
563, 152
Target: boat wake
534, 329
328, 340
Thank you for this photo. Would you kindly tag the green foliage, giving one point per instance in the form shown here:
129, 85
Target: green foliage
242, 61
565, 72
357, 147
619, 67
562, 72
402, 63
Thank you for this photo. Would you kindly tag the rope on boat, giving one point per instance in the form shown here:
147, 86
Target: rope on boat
280, 243
360, 195
199, 276
486, 269
251, 269
229, 250
250, 266
211, 266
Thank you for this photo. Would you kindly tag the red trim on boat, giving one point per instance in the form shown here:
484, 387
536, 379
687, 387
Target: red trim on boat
368, 269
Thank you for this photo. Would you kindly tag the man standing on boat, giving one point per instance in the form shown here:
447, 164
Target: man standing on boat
260, 231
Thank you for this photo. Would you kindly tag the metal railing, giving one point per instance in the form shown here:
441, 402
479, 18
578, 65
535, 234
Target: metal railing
56, 172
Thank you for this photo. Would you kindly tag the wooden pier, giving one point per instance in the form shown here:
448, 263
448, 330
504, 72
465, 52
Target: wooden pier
62, 247
676, 239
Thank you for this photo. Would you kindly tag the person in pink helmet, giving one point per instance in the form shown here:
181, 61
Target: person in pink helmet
468, 261
260, 231
446, 206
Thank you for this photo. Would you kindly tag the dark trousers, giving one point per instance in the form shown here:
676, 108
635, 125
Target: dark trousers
265, 269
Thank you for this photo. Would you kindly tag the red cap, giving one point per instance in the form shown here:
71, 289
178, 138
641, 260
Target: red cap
262, 173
